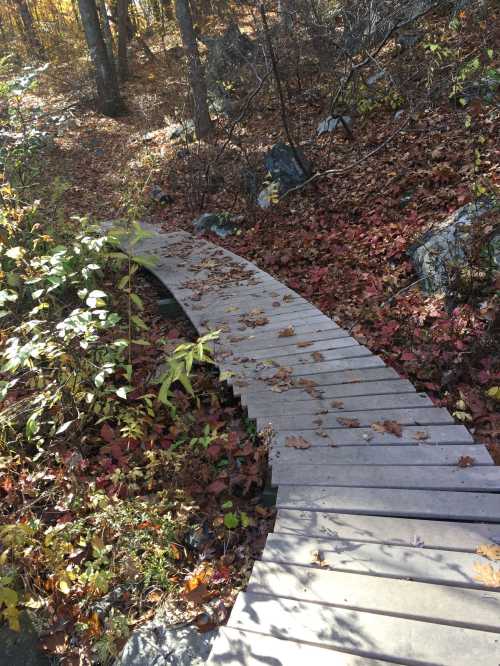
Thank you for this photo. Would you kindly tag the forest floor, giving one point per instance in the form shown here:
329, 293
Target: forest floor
341, 242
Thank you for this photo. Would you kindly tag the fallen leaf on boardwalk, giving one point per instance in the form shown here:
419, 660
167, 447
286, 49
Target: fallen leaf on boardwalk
294, 442
392, 427
318, 558
487, 575
276, 304
318, 356
348, 423
465, 461
256, 311
304, 344
286, 332
420, 436
489, 550
337, 404
287, 298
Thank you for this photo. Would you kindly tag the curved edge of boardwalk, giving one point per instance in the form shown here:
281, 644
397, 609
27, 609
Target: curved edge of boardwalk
373, 556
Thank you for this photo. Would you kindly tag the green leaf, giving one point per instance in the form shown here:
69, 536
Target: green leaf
139, 323
122, 392
227, 505
231, 521
143, 260
494, 392
137, 301
245, 520
123, 282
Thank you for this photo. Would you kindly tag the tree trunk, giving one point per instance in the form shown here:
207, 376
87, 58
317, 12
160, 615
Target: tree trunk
106, 29
122, 20
35, 46
108, 93
202, 121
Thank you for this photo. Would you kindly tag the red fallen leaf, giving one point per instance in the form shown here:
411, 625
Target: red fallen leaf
297, 442
392, 427
408, 356
348, 423
465, 461
107, 433
217, 487
214, 451
173, 334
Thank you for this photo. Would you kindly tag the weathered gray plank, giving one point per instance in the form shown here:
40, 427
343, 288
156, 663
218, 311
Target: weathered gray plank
339, 377
421, 454
336, 392
394, 561
250, 341
442, 434
443, 604
477, 479
410, 416
403, 531
448, 505
322, 346
240, 648
274, 406
353, 350
367, 634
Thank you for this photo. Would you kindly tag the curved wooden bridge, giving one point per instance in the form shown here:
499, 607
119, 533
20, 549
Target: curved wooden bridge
382, 499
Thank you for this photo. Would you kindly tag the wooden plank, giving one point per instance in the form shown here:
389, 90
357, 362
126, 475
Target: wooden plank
410, 416
239, 648
430, 565
336, 392
443, 604
410, 435
403, 531
259, 340
300, 356
275, 406
421, 454
319, 346
438, 504
304, 369
345, 376
476, 479
366, 634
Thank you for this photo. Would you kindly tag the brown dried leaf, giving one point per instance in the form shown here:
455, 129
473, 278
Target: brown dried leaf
337, 404
487, 575
392, 427
348, 423
489, 550
295, 442
287, 332
318, 356
305, 343
420, 436
465, 461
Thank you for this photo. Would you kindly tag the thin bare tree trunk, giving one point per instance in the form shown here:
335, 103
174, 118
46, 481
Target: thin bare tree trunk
202, 121
34, 43
122, 20
108, 93
106, 29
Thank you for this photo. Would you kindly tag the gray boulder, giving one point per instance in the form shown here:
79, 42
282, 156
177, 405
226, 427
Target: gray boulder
184, 131
445, 248
22, 648
331, 123
221, 224
284, 168
158, 644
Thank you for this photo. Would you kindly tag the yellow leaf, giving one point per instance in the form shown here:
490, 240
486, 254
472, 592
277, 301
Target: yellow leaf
63, 585
494, 392
11, 614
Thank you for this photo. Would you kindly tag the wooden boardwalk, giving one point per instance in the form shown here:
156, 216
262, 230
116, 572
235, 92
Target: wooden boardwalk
373, 557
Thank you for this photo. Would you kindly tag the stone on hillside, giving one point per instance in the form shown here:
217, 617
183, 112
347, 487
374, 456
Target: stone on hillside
375, 78
444, 249
284, 168
220, 224
158, 644
331, 123
184, 131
